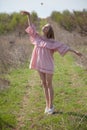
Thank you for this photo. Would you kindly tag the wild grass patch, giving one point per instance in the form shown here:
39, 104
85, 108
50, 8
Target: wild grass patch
22, 104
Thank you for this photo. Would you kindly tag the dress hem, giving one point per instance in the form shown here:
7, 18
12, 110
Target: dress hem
44, 71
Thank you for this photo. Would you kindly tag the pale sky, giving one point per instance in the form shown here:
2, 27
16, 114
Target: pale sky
43, 11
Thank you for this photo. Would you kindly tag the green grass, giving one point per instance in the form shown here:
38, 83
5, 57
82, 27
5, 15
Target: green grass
22, 104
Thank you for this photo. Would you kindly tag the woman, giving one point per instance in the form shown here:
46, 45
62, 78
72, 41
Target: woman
42, 57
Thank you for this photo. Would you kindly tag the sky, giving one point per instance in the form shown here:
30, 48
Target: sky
43, 11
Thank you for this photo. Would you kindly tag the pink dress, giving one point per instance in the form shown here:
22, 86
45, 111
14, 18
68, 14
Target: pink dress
42, 56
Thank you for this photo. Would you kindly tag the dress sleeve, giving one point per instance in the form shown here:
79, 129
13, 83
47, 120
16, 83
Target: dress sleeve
31, 30
63, 49
57, 46
47, 43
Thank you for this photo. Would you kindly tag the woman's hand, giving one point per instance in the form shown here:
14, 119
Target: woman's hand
28, 16
78, 53
24, 13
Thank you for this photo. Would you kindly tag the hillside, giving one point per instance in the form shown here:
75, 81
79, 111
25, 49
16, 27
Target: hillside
14, 46
22, 104
21, 96
74, 39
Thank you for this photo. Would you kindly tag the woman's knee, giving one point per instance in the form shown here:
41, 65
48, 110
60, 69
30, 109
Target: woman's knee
44, 83
49, 84
49, 80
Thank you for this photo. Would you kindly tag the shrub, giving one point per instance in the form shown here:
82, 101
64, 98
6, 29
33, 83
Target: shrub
77, 20
14, 21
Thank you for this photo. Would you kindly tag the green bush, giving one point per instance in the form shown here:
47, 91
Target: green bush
4, 20
68, 21
81, 20
71, 21
14, 21
77, 20
57, 16
34, 16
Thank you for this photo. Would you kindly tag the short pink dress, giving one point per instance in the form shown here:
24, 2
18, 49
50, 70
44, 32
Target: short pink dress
42, 55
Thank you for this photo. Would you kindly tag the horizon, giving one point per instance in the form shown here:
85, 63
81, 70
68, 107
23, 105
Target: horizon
42, 8
9, 13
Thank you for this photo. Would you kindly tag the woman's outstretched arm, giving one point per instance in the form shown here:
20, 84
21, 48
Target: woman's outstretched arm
28, 15
76, 52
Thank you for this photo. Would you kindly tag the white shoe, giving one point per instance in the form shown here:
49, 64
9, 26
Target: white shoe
50, 111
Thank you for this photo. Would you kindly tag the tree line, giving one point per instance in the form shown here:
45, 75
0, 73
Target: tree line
76, 20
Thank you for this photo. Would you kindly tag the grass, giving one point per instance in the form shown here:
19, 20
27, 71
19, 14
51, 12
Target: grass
22, 104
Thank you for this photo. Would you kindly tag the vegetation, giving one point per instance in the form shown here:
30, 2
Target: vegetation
14, 21
22, 104
76, 20
22, 101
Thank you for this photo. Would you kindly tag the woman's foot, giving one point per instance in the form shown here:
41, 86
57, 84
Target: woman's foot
49, 110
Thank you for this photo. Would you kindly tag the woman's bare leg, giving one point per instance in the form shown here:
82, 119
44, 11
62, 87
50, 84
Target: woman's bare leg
50, 89
45, 88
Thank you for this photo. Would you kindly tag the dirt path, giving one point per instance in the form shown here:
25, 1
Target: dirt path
22, 113
34, 78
